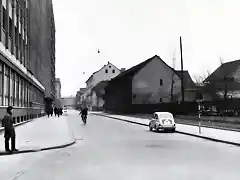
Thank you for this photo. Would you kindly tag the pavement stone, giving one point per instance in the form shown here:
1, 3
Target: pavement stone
42, 134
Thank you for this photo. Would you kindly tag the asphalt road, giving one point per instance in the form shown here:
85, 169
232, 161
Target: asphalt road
108, 149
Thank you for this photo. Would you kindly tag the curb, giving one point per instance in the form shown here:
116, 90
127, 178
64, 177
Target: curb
40, 149
212, 127
180, 132
205, 126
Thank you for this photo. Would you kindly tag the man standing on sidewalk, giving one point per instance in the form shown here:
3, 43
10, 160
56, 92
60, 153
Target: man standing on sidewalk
9, 131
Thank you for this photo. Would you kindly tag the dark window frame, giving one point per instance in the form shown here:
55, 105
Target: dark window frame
161, 82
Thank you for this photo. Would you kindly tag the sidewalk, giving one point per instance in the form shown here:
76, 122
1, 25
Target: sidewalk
41, 134
230, 137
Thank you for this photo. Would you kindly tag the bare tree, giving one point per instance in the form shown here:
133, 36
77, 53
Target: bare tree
198, 79
173, 74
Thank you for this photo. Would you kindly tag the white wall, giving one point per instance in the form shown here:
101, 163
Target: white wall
101, 75
146, 84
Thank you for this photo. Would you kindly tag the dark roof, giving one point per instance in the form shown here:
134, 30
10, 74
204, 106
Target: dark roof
187, 80
82, 90
135, 69
99, 87
225, 70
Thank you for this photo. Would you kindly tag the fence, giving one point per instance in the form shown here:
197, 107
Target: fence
227, 107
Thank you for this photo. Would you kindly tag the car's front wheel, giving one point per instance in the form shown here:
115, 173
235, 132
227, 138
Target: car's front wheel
150, 128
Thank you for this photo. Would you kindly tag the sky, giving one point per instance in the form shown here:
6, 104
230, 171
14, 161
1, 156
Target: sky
128, 32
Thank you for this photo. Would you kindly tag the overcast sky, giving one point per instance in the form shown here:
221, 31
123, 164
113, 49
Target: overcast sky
128, 32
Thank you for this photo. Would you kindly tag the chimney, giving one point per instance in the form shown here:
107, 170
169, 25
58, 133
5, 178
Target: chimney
123, 69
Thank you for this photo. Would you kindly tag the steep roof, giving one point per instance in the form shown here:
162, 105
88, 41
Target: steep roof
135, 69
187, 80
99, 86
225, 70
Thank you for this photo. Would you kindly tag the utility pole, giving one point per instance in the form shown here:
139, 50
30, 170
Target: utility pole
172, 84
182, 78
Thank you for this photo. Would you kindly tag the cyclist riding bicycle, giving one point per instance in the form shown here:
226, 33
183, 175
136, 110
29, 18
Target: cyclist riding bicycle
84, 112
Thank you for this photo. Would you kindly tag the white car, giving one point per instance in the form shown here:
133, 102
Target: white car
64, 111
162, 121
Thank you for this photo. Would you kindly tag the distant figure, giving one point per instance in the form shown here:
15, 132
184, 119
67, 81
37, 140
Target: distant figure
48, 111
61, 111
55, 111
51, 111
9, 131
58, 111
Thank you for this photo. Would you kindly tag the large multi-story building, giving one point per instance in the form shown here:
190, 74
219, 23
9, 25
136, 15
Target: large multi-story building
79, 98
58, 88
58, 93
27, 57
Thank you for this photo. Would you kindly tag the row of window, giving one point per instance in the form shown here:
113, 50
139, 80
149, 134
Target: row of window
113, 71
15, 24
16, 91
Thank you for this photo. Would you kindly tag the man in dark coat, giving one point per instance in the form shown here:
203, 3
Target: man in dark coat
51, 111
55, 111
9, 131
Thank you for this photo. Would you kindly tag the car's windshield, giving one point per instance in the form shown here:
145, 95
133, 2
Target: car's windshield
161, 116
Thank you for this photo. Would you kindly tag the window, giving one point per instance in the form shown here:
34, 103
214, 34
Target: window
10, 27
134, 96
20, 91
1, 84
155, 116
113, 71
110, 66
160, 100
6, 86
11, 89
17, 90
26, 94
4, 18
23, 92
161, 82
16, 35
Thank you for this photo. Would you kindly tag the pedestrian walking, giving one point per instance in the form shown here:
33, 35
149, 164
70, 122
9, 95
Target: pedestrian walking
58, 111
48, 112
51, 111
55, 111
9, 131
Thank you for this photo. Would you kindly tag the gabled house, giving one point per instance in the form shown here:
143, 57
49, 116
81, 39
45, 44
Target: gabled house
106, 73
190, 88
224, 82
79, 100
150, 82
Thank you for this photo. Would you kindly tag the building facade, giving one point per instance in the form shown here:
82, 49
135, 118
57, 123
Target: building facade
57, 101
58, 88
27, 57
150, 82
69, 102
106, 73
79, 98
